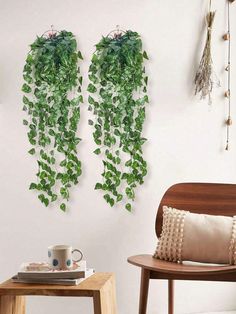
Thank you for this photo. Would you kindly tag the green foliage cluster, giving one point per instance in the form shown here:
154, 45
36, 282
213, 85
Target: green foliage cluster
52, 87
118, 87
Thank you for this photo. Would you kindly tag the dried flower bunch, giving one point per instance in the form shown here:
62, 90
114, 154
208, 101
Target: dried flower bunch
206, 78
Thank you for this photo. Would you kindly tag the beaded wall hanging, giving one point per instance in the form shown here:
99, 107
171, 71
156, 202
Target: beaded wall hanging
227, 37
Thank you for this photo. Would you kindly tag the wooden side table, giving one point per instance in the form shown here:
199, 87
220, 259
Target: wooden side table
100, 286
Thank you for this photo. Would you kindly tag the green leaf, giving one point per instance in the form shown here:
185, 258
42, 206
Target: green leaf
25, 100
51, 132
41, 197
97, 151
128, 163
143, 140
31, 151
145, 55
25, 122
77, 140
91, 88
64, 193
109, 156
26, 88
98, 186
119, 197
81, 98
146, 99
59, 176
128, 207
52, 160
53, 198
46, 201
117, 132
63, 207
90, 122
33, 186
80, 81
118, 160
91, 100
63, 163
80, 55
111, 201
129, 192
107, 197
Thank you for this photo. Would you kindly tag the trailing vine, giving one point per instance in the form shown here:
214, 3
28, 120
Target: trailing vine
52, 100
118, 87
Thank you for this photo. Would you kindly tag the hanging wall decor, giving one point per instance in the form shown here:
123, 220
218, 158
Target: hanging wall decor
206, 78
52, 100
227, 37
118, 97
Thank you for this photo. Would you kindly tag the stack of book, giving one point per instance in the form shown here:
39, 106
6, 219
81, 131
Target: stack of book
41, 273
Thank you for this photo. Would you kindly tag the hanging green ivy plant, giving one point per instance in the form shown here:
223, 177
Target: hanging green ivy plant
52, 100
118, 87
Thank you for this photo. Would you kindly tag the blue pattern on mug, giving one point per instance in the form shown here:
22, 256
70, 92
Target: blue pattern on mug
49, 254
55, 262
68, 262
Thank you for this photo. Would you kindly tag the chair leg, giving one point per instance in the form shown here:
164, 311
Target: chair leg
170, 296
145, 276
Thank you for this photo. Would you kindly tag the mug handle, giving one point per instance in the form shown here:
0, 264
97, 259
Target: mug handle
76, 250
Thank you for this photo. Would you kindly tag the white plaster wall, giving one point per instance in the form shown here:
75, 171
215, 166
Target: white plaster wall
186, 143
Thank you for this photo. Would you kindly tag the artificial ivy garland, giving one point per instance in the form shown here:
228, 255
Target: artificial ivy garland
118, 87
53, 96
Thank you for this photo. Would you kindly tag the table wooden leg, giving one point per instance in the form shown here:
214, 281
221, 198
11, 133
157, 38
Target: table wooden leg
10, 304
104, 300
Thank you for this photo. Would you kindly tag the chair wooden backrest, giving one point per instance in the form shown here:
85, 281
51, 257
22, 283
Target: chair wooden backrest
202, 198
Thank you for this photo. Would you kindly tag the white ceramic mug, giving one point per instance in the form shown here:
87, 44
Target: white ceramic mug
60, 256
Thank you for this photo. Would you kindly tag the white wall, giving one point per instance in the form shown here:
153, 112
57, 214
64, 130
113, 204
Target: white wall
186, 143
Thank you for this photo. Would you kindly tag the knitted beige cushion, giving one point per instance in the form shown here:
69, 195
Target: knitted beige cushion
197, 237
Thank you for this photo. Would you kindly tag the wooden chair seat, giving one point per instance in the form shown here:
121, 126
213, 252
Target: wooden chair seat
203, 198
147, 261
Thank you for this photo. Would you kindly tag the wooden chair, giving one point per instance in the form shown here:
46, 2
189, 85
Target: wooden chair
207, 198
